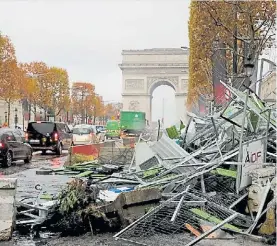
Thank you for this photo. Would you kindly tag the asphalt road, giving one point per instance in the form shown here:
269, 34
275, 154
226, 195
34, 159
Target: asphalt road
27, 179
38, 160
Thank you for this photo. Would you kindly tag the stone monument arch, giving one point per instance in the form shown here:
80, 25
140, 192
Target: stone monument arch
145, 70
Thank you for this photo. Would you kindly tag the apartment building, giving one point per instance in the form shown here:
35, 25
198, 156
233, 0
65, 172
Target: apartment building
15, 109
268, 88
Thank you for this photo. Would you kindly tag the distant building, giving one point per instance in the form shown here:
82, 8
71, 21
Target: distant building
268, 88
4, 113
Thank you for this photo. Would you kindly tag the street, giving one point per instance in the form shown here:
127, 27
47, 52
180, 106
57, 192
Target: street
38, 161
28, 179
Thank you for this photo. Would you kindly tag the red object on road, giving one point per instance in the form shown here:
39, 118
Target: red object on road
89, 149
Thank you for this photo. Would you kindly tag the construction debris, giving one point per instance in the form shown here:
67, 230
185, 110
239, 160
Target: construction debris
216, 181
223, 175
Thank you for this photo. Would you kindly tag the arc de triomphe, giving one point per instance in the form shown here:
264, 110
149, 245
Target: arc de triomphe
144, 70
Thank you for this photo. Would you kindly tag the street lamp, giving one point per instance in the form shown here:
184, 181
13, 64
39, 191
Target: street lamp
6, 118
15, 117
248, 67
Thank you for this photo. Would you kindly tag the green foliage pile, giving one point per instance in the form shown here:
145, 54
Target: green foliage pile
79, 158
78, 211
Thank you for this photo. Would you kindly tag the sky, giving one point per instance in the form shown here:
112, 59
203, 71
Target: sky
86, 37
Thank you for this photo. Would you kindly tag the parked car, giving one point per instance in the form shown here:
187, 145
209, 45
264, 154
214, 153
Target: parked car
20, 127
19, 130
100, 132
46, 135
84, 134
101, 129
12, 147
70, 127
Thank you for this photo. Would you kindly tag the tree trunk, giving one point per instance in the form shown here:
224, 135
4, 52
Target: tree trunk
30, 111
94, 117
35, 109
9, 111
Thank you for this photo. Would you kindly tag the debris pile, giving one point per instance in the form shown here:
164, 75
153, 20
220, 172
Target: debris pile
218, 183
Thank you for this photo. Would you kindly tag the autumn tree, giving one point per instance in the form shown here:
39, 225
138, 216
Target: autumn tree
99, 108
112, 110
59, 88
237, 24
40, 85
83, 99
11, 76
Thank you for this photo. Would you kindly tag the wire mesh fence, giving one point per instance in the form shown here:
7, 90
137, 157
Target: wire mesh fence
178, 218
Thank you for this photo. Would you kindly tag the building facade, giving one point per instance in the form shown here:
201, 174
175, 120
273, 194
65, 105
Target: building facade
268, 88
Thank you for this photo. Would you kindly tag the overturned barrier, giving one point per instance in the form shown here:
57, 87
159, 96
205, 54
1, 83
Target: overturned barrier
84, 153
88, 149
7, 207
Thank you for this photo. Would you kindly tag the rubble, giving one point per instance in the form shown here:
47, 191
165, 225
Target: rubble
222, 175
217, 181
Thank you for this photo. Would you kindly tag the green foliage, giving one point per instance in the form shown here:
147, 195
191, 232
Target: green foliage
79, 158
73, 197
78, 212
151, 173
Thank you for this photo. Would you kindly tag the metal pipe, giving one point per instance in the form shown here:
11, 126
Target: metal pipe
266, 134
174, 216
207, 233
238, 200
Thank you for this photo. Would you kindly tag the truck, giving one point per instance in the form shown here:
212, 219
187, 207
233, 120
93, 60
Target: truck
132, 122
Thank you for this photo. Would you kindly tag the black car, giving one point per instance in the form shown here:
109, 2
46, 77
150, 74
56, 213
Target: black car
12, 147
46, 135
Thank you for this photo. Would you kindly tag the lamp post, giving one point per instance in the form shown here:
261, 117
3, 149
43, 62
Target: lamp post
15, 117
6, 116
40, 115
248, 68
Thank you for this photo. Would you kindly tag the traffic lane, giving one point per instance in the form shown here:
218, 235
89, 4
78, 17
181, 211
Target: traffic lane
38, 161
27, 180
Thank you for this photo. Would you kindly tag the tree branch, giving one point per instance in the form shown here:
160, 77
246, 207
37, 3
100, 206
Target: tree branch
218, 22
265, 39
260, 26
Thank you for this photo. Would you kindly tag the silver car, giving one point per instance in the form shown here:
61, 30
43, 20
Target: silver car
83, 134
